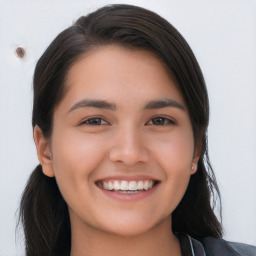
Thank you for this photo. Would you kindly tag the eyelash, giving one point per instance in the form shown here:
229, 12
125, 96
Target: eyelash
167, 121
87, 121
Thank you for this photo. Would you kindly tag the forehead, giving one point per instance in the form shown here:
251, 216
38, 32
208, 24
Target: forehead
117, 72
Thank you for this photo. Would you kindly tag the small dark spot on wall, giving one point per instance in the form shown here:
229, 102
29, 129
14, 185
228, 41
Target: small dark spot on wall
20, 52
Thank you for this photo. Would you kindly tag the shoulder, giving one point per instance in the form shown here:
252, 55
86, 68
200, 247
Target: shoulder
217, 247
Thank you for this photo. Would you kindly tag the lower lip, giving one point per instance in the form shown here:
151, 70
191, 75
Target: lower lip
129, 197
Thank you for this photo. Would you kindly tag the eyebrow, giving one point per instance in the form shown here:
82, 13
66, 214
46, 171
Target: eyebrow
89, 103
102, 104
163, 103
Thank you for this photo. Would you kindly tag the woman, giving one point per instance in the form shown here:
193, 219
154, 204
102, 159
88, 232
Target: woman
120, 120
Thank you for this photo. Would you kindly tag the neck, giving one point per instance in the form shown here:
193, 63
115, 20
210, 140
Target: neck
157, 241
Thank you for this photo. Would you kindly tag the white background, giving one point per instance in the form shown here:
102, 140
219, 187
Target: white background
222, 35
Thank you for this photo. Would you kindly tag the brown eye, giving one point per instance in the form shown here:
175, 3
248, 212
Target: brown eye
94, 121
160, 120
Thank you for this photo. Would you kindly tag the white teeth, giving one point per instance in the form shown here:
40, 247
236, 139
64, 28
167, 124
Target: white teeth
105, 185
124, 185
117, 185
110, 185
140, 185
132, 185
146, 185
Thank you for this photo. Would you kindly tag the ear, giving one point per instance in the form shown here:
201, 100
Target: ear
196, 156
44, 153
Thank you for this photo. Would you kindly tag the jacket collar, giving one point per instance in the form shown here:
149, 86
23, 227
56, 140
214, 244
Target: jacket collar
190, 246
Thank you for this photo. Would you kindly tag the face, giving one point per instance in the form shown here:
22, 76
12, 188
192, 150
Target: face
122, 143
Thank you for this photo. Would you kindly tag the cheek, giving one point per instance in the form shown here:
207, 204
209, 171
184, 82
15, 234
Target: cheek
76, 156
175, 151
174, 156
76, 147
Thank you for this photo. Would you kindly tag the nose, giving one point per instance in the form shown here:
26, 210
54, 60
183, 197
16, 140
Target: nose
129, 148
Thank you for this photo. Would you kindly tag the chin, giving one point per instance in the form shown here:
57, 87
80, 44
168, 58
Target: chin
131, 227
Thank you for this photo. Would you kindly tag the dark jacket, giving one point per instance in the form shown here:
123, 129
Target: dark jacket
213, 247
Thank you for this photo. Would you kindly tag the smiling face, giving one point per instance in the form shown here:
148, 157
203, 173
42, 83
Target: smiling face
122, 143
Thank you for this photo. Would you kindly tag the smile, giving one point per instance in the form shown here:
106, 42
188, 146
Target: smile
125, 186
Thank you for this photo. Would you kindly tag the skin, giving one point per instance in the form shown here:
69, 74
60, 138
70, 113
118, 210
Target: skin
127, 141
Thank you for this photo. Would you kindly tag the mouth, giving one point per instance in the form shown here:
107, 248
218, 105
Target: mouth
127, 186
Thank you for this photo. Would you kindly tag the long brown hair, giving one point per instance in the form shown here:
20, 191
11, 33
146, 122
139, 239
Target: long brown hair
43, 211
